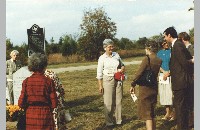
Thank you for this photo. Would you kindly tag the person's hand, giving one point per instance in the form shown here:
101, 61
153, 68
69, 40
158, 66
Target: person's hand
164, 78
101, 89
122, 69
167, 74
132, 90
193, 59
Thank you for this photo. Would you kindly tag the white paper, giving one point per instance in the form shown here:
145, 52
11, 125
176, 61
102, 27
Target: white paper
134, 97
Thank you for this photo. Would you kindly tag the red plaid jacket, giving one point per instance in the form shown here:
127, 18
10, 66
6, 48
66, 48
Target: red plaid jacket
38, 93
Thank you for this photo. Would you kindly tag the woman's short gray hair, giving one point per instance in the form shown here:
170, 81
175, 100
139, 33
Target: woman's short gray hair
37, 62
14, 52
107, 42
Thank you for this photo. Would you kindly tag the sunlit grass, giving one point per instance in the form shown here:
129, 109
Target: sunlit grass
86, 104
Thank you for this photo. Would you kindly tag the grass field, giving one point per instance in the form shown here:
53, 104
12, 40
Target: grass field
86, 104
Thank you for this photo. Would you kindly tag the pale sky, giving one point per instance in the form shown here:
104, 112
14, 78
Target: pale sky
134, 18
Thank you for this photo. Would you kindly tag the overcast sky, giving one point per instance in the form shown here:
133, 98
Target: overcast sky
134, 18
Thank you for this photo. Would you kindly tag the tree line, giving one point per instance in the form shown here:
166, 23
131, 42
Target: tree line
95, 27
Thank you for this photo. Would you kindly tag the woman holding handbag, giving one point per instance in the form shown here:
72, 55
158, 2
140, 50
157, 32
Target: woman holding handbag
108, 64
147, 94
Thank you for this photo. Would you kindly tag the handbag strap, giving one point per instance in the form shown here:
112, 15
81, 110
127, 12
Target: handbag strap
149, 61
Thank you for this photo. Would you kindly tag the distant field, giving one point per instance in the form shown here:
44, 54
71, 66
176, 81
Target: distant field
57, 58
62, 65
86, 104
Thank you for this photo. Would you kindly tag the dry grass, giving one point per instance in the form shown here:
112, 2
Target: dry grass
86, 104
63, 65
57, 58
131, 53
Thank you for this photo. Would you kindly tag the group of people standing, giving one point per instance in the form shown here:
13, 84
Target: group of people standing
174, 65
42, 100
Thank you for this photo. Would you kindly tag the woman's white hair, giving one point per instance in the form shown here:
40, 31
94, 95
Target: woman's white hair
107, 42
14, 52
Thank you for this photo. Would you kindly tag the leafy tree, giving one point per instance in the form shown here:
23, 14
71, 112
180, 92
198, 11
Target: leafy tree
9, 48
68, 45
191, 33
52, 40
141, 42
23, 53
126, 44
47, 49
52, 47
96, 26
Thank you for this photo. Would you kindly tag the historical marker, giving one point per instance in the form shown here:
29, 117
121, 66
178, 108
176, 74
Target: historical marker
36, 38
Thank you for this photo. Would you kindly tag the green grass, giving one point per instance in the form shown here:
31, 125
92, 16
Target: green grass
86, 104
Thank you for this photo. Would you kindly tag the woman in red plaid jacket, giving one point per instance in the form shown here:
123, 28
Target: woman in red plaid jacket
38, 95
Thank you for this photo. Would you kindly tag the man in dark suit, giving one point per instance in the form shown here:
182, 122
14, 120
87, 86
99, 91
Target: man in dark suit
181, 73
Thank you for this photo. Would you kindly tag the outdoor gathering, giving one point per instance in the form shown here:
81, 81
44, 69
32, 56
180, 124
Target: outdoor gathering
99, 65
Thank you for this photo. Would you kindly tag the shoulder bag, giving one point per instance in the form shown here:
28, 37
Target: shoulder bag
147, 78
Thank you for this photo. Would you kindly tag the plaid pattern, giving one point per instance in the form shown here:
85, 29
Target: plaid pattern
38, 88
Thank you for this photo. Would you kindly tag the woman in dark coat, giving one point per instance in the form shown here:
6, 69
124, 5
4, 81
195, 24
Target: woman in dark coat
38, 95
147, 94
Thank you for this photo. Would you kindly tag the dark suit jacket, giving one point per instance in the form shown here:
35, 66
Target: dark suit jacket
180, 67
155, 63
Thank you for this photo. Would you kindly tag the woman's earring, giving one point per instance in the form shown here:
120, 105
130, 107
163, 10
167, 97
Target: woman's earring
105, 49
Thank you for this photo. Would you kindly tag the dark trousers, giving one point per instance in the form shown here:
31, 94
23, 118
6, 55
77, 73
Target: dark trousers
182, 105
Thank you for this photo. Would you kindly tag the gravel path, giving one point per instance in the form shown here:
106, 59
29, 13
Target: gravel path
82, 68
